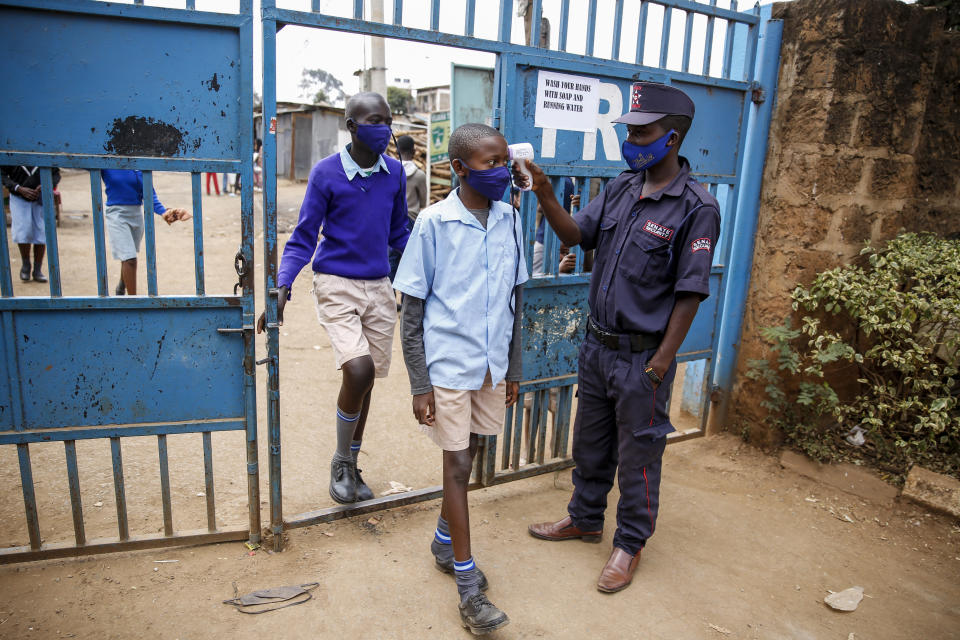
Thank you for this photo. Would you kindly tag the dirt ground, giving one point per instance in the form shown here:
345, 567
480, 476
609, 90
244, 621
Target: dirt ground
744, 549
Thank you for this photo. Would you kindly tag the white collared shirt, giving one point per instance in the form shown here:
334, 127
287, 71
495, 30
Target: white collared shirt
466, 275
351, 168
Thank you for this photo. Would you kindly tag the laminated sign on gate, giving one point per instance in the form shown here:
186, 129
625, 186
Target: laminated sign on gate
567, 102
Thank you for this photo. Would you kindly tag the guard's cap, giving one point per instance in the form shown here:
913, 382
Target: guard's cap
650, 101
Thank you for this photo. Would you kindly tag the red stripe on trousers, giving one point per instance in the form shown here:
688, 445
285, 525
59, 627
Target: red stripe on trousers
646, 486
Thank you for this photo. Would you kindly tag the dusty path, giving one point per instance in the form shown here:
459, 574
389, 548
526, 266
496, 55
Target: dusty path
738, 545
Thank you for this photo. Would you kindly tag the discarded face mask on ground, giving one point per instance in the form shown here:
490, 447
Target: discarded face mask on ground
264, 600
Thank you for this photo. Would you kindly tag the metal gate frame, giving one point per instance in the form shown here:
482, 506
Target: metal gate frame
230, 38
740, 206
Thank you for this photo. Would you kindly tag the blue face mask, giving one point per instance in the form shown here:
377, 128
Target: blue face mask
375, 136
491, 183
643, 157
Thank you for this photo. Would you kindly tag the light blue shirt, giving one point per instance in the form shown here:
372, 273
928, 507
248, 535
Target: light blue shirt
466, 275
351, 168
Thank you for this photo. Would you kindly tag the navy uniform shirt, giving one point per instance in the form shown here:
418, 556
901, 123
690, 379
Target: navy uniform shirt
648, 249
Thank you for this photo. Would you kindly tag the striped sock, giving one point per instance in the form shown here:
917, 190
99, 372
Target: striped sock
468, 578
346, 423
442, 534
355, 449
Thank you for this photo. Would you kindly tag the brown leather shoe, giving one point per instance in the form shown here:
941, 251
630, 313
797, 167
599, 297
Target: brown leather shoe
562, 530
618, 573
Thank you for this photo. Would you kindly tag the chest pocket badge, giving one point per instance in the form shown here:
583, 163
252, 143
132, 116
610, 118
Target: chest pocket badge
646, 259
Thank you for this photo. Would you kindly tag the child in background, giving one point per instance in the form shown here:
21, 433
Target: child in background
124, 221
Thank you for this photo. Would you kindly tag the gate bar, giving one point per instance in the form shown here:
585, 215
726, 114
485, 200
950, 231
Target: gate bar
150, 234
73, 479
112, 545
728, 48
506, 17
270, 262
165, 486
468, 21
208, 482
687, 42
6, 270
564, 24
708, 44
617, 28
434, 14
536, 8
748, 202
50, 230
642, 32
665, 36
591, 26
248, 228
197, 232
119, 490
544, 396
29, 496
96, 198
517, 432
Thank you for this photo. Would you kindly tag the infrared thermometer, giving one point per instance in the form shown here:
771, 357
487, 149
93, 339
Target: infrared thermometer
519, 153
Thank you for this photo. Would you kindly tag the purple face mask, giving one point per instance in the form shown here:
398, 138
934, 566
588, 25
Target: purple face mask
375, 136
491, 183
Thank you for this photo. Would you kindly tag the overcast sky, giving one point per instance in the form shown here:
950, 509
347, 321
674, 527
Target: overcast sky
341, 54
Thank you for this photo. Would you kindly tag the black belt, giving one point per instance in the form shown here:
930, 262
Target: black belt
638, 341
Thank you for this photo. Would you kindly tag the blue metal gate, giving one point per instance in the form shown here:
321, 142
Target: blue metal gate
731, 125
127, 87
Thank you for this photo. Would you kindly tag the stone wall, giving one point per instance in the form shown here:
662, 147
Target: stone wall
865, 143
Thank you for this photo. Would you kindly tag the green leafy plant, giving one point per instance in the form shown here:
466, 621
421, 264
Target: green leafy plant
871, 373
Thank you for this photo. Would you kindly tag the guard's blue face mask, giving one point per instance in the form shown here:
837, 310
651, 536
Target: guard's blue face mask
375, 136
643, 157
491, 183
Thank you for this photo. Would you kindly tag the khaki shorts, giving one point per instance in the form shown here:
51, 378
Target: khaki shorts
359, 316
460, 413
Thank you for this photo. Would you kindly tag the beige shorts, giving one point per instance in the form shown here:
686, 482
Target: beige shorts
359, 316
460, 413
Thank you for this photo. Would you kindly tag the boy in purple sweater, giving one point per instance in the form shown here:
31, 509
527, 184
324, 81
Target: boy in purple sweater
358, 197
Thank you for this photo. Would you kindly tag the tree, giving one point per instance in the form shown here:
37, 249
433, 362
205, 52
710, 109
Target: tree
399, 99
321, 86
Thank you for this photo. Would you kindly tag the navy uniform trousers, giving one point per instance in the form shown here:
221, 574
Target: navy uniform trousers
620, 419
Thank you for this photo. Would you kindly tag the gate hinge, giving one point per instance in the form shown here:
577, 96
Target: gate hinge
757, 93
267, 359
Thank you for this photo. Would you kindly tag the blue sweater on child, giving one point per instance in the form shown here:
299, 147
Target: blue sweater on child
360, 217
125, 187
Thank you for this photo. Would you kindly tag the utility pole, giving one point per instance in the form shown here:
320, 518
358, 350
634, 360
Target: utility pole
376, 74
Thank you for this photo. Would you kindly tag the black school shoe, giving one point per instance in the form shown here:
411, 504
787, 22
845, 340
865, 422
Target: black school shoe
38, 275
480, 616
343, 481
363, 491
25, 272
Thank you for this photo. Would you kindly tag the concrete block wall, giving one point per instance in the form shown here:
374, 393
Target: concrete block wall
865, 143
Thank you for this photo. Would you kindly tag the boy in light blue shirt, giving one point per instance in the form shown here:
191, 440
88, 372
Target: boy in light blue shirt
461, 276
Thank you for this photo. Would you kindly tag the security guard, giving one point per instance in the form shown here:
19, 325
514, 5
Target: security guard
654, 230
